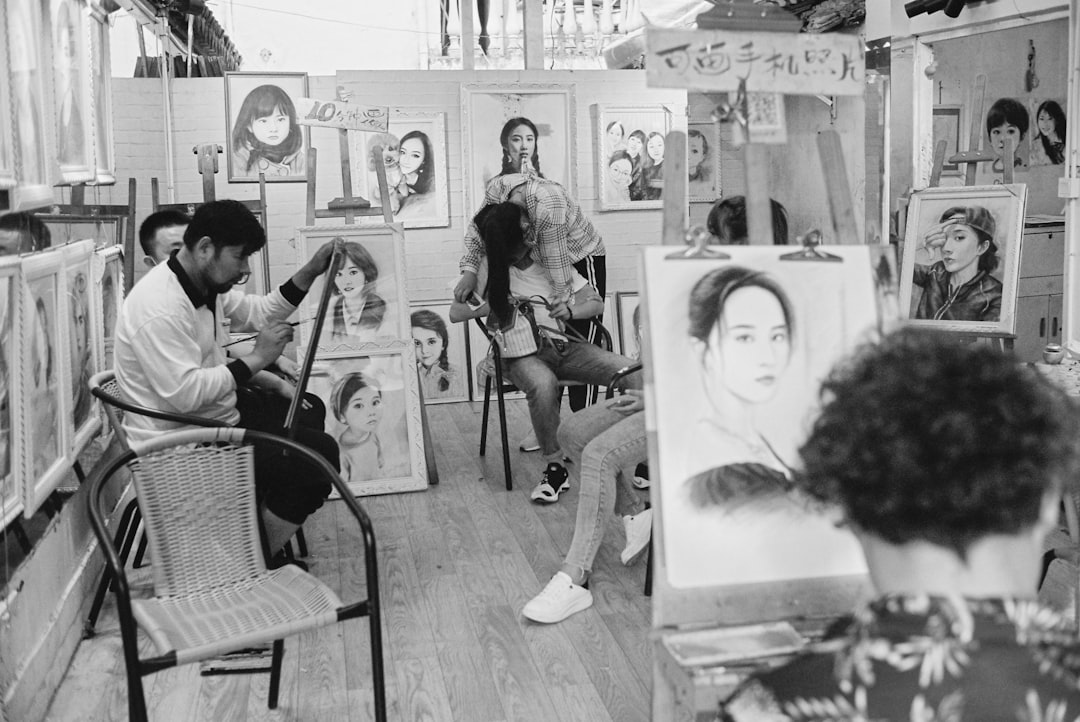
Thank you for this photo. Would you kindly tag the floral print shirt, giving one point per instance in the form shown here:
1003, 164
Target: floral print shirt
917, 658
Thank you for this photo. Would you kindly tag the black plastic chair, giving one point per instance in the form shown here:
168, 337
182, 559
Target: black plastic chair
212, 599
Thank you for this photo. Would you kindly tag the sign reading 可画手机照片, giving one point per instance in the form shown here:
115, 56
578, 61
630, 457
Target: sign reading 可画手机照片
795, 63
339, 114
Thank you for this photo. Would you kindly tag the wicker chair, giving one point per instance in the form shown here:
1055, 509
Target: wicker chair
213, 593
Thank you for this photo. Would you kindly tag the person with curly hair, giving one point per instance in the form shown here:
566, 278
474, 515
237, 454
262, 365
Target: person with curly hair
948, 461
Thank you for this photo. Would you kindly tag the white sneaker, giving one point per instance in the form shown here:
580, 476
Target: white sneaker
638, 532
560, 598
529, 443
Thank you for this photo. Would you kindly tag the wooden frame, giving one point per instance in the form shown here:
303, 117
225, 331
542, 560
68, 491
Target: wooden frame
400, 440
101, 85
642, 185
239, 88
427, 209
46, 392
103, 230
947, 127
30, 114
1006, 205
72, 92
81, 315
485, 108
7, 145
626, 302
383, 246
108, 270
426, 335
704, 185
11, 352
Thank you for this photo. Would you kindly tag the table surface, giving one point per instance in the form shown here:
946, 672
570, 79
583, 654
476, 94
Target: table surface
1066, 375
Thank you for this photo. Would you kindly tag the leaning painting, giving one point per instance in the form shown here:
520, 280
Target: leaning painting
10, 352
962, 258
738, 348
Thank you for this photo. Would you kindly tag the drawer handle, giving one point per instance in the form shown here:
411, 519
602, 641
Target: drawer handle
1042, 327
1053, 327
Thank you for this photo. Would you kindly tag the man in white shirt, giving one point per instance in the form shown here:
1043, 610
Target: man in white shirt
169, 352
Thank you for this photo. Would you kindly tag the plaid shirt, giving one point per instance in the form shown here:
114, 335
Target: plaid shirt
559, 231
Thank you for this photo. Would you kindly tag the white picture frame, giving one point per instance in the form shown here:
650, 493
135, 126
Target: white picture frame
420, 203
108, 275
442, 352
246, 95
82, 317
7, 144
11, 352
640, 185
487, 107
399, 440
101, 86
31, 110
73, 103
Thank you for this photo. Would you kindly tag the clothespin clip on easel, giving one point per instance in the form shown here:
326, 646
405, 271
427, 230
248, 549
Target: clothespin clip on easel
697, 241
811, 249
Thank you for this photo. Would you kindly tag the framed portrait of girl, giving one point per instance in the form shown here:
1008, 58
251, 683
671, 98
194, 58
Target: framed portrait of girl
442, 358
630, 157
81, 315
101, 84
11, 350
368, 308
414, 156
961, 260
504, 126
703, 161
108, 276
262, 130
72, 98
30, 112
46, 393
373, 411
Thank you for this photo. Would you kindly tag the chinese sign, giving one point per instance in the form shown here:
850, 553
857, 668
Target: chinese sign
339, 114
794, 63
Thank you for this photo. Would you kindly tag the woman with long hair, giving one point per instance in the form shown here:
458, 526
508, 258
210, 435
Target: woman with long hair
432, 340
520, 152
356, 311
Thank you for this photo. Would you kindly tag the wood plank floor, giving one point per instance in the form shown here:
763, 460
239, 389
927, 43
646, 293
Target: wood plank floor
456, 565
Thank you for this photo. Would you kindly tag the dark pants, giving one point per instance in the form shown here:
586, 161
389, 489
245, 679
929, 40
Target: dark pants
286, 483
594, 269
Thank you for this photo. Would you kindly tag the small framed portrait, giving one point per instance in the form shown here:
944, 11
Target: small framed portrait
414, 156
11, 350
373, 411
46, 399
630, 157
101, 84
962, 257
82, 317
442, 358
947, 128
1007, 119
630, 321
108, 277
504, 126
262, 131
29, 109
367, 308
72, 95
7, 147
102, 230
703, 161
1047, 131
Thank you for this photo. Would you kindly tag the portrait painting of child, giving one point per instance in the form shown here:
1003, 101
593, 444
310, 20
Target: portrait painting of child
262, 127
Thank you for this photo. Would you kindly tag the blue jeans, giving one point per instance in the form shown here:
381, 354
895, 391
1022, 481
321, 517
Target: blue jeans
604, 445
538, 376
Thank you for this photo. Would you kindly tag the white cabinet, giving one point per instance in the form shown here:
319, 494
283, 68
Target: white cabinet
1040, 290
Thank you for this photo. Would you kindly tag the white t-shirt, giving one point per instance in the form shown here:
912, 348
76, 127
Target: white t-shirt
535, 281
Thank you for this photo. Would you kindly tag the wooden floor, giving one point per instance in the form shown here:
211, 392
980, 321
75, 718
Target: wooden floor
456, 565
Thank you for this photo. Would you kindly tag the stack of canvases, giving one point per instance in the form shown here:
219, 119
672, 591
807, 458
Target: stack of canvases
57, 314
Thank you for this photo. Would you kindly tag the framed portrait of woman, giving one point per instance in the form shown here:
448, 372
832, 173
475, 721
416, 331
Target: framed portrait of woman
101, 83
442, 358
738, 347
72, 95
82, 318
11, 350
108, 276
7, 147
46, 394
961, 258
630, 154
368, 308
503, 126
30, 111
262, 130
373, 411
414, 156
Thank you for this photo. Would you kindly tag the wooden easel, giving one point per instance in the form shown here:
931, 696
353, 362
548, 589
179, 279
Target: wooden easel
349, 207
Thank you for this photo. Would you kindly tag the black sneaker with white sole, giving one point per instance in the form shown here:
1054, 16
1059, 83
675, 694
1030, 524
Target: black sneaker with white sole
555, 481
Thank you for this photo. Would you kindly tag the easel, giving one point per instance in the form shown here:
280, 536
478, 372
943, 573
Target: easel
971, 157
208, 166
349, 207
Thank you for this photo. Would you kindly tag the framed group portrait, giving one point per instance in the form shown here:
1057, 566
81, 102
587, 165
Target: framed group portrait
11, 351
442, 356
108, 276
703, 161
30, 117
413, 153
368, 307
505, 125
630, 157
46, 396
373, 411
72, 94
82, 317
961, 259
262, 130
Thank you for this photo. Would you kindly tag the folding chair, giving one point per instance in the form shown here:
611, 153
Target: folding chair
212, 598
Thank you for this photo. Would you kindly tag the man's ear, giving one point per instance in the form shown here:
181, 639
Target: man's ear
204, 245
149, 261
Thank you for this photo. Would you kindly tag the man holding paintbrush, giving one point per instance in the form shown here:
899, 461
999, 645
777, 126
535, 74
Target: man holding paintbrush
170, 355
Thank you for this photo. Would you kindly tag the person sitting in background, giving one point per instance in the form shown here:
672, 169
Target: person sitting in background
23, 233
948, 461
727, 222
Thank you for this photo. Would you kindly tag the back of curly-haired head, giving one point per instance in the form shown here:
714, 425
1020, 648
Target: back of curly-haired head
922, 438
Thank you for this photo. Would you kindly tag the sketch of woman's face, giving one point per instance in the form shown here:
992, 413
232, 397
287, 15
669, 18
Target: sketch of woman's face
655, 148
411, 155
351, 283
962, 247
633, 146
271, 129
429, 345
614, 135
1000, 133
1047, 126
750, 346
620, 173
